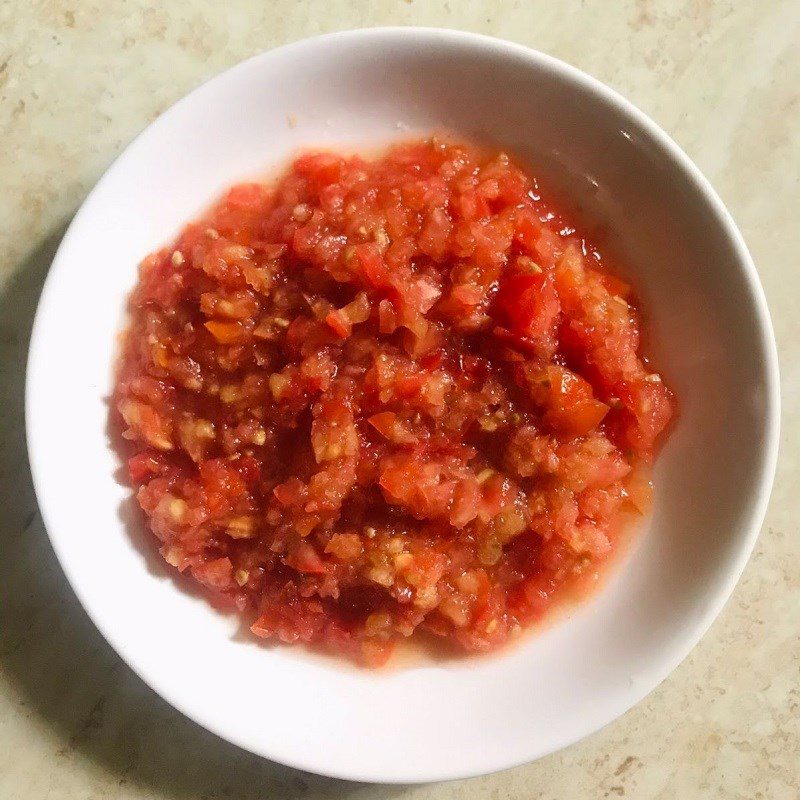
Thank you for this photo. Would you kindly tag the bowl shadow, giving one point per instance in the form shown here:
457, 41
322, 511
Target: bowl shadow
67, 683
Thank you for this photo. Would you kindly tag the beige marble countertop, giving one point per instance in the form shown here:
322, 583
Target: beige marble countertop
79, 78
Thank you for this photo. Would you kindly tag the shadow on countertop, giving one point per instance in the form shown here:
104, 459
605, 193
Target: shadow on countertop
57, 667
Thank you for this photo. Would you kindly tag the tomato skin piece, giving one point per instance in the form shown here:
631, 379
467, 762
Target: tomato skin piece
578, 418
651, 407
373, 266
306, 559
341, 326
321, 169
570, 407
245, 196
529, 229
226, 332
529, 303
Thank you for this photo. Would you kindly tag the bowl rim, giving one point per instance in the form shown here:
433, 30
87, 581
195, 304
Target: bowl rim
688, 171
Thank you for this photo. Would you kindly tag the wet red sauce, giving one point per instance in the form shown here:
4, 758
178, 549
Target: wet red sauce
387, 396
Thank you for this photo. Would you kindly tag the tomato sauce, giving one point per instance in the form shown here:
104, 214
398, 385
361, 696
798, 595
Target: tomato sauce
382, 396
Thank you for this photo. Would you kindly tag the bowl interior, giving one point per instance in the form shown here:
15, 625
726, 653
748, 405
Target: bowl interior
709, 334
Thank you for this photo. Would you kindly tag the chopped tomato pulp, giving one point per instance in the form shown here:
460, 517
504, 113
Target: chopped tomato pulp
382, 396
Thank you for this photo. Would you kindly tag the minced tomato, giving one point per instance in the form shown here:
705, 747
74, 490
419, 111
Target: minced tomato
381, 396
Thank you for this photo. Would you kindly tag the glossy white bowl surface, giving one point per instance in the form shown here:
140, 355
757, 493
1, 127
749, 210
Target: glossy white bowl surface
710, 334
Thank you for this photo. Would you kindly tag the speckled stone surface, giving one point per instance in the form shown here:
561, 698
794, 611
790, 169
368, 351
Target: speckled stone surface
79, 79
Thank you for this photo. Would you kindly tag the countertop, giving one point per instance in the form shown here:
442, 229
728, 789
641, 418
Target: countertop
79, 79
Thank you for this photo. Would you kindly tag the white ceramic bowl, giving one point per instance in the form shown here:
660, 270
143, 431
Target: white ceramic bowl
711, 335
